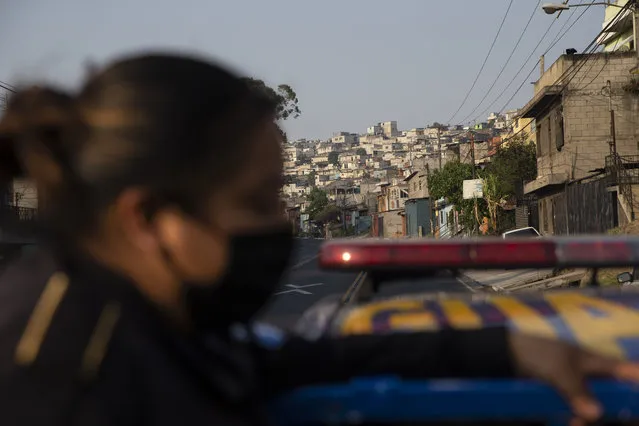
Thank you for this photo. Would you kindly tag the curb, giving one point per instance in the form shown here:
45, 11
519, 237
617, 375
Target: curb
476, 285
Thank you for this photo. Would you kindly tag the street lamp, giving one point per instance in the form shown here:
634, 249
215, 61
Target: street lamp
551, 8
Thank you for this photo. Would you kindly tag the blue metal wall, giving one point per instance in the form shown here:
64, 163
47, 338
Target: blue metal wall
417, 214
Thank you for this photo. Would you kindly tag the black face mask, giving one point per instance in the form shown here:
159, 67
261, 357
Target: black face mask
256, 265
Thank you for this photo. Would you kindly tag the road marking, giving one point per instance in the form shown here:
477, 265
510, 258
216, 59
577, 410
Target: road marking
298, 289
305, 261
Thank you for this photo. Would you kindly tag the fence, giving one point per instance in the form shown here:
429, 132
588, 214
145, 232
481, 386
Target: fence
584, 208
17, 223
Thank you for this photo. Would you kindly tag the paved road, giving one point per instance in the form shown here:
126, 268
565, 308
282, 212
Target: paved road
304, 285
442, 282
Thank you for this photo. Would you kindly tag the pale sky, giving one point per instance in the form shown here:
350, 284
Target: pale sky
352, 62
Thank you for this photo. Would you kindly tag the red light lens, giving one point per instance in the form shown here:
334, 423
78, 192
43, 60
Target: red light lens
528, 253
487, 253
605, 251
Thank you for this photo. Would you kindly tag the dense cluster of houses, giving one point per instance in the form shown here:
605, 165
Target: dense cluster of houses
583, 118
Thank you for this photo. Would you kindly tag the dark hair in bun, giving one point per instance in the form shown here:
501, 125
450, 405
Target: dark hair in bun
173, 124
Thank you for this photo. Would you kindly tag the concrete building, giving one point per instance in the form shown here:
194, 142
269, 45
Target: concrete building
389, 129
619, 37
418, 209
345, 138
573, 121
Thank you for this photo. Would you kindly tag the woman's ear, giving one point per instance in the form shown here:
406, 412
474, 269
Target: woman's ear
134, 213
200, 251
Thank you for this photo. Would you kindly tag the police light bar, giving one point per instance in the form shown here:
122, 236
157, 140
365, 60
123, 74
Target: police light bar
484, 253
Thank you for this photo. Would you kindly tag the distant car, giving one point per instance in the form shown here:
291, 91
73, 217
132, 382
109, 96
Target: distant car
521, 233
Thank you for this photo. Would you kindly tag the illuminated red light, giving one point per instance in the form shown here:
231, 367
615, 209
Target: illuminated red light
486, 253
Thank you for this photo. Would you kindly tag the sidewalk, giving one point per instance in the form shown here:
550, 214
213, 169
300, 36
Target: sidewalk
523, 279
503, 280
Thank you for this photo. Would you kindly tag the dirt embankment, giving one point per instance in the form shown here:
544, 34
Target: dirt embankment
608, 276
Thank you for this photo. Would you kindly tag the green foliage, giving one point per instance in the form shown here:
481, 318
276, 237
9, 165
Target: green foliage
493, 197
513, 164
449, 181
318, 200
284, 97
330, 213
341, 232
360, 151
333, 158
311, 178
439, 126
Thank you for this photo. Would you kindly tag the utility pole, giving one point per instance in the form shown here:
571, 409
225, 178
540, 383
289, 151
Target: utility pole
635, 32
613, 137
617, 166
472, 156
430, 202
439, 146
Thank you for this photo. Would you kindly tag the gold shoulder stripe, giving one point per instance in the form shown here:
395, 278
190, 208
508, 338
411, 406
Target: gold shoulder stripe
40, 320
99, 342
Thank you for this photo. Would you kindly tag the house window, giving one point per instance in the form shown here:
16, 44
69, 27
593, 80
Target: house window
558, 128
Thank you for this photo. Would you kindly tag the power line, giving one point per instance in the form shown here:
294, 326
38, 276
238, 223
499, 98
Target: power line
592, 46
484, 63
7, 87
523, 65
503, 68
548, 50
518, 72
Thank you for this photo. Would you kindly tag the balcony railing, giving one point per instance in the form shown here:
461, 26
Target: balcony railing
17, 223
623, 169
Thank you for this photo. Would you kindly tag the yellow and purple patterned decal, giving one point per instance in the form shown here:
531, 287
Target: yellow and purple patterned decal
605, 323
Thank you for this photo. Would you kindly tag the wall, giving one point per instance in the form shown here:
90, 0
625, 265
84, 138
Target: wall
393, 225
586, 118
24, 194
418, 213
481, 151
623, 37
418, 186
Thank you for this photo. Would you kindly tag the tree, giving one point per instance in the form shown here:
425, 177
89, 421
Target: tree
317, 202
360, 151
330, 213
284, 98
512, 164
311, 178
449, 183
333, 158
494, 198
509, 168
439, 126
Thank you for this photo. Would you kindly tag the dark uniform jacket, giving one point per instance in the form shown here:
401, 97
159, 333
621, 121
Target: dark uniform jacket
80, 346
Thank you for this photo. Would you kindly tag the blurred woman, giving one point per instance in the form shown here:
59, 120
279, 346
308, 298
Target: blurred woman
162, 224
